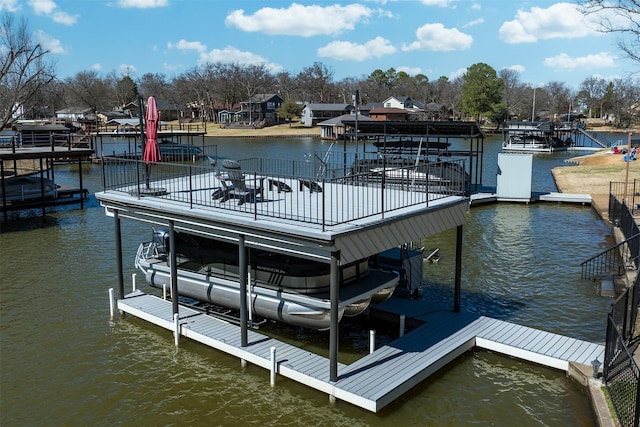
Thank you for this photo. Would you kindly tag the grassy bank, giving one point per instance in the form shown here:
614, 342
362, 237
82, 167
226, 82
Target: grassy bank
296, 129
593, 174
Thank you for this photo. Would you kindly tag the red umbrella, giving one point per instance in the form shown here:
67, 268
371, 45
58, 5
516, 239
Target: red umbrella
151, 148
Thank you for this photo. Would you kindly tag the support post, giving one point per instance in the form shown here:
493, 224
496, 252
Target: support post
133, 282
334, 294
402, 322
111, 303
242, 264
80, 176
119, 255
272, 379
456, 299
372, 340
176, 328
174, 268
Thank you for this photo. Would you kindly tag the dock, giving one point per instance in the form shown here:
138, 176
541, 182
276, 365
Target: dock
551, 197
377, 379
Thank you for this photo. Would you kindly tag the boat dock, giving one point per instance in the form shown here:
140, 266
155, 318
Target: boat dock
553, 197
376, 379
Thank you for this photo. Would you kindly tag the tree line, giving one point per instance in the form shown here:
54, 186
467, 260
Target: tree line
30, 89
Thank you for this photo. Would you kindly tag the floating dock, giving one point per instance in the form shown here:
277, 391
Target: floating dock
376, 379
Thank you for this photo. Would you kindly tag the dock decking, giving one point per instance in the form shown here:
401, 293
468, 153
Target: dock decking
377, 379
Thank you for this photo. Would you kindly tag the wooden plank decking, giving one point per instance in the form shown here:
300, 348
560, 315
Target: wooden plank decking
377, 379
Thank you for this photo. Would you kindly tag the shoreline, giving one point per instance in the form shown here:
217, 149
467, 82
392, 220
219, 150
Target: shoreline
591, 174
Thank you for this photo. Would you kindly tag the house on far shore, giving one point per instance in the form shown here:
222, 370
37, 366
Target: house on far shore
389, 114
437, 112
312, 114
334, 128
262, 109
403, 102
166, 111
73, 114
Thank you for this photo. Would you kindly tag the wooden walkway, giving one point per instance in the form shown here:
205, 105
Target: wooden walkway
379, 378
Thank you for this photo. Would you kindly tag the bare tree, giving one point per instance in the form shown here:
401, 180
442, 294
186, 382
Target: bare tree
618, 16
87, 89
592, 91
316, 79
24, 69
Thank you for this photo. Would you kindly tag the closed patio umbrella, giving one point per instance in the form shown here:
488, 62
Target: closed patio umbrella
151, 148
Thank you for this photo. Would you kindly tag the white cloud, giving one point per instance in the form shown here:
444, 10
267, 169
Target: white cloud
142, 4
186, 45
50, 8
473, 23
48, 42
517, 67
9, 5
435, 37
232, 55
126, 69
299, 20
561, 20
64, 18
412, 71
96, 67
342, 50
564, 62
42, 7
441, 3
457, 74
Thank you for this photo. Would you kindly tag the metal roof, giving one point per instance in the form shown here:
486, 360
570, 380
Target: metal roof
419, 128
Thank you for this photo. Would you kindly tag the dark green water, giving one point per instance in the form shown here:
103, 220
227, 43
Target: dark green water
63, 362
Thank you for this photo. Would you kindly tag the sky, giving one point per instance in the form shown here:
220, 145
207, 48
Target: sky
543, 40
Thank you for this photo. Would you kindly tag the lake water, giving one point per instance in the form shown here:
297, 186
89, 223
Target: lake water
64, 362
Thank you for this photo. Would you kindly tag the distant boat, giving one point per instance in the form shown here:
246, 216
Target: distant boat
177, 150
439, 176
284, 288
543, 137
26, 187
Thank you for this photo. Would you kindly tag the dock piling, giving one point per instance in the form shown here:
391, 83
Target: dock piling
111, 302
133, 282
402, 322
372, 340
176, 325
272, 379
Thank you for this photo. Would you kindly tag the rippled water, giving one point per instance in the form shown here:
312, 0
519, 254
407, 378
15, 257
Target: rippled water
64, 362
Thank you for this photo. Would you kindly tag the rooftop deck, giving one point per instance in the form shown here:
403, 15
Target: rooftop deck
302, 214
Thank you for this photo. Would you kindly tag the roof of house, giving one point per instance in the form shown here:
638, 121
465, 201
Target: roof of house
262, 97
329, 107
388, 110
337, 121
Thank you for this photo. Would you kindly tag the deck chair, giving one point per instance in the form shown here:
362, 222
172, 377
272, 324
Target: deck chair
241, 188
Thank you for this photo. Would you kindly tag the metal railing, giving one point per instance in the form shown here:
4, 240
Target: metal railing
620, 371
628, 194
615, 260
297, 190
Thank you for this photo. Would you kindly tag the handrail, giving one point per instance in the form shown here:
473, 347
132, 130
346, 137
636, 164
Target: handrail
617, 257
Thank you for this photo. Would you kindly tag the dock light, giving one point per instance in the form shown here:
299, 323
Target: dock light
595, 364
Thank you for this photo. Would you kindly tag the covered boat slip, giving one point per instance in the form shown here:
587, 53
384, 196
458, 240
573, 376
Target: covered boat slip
377, 379
335, 221
45, 157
